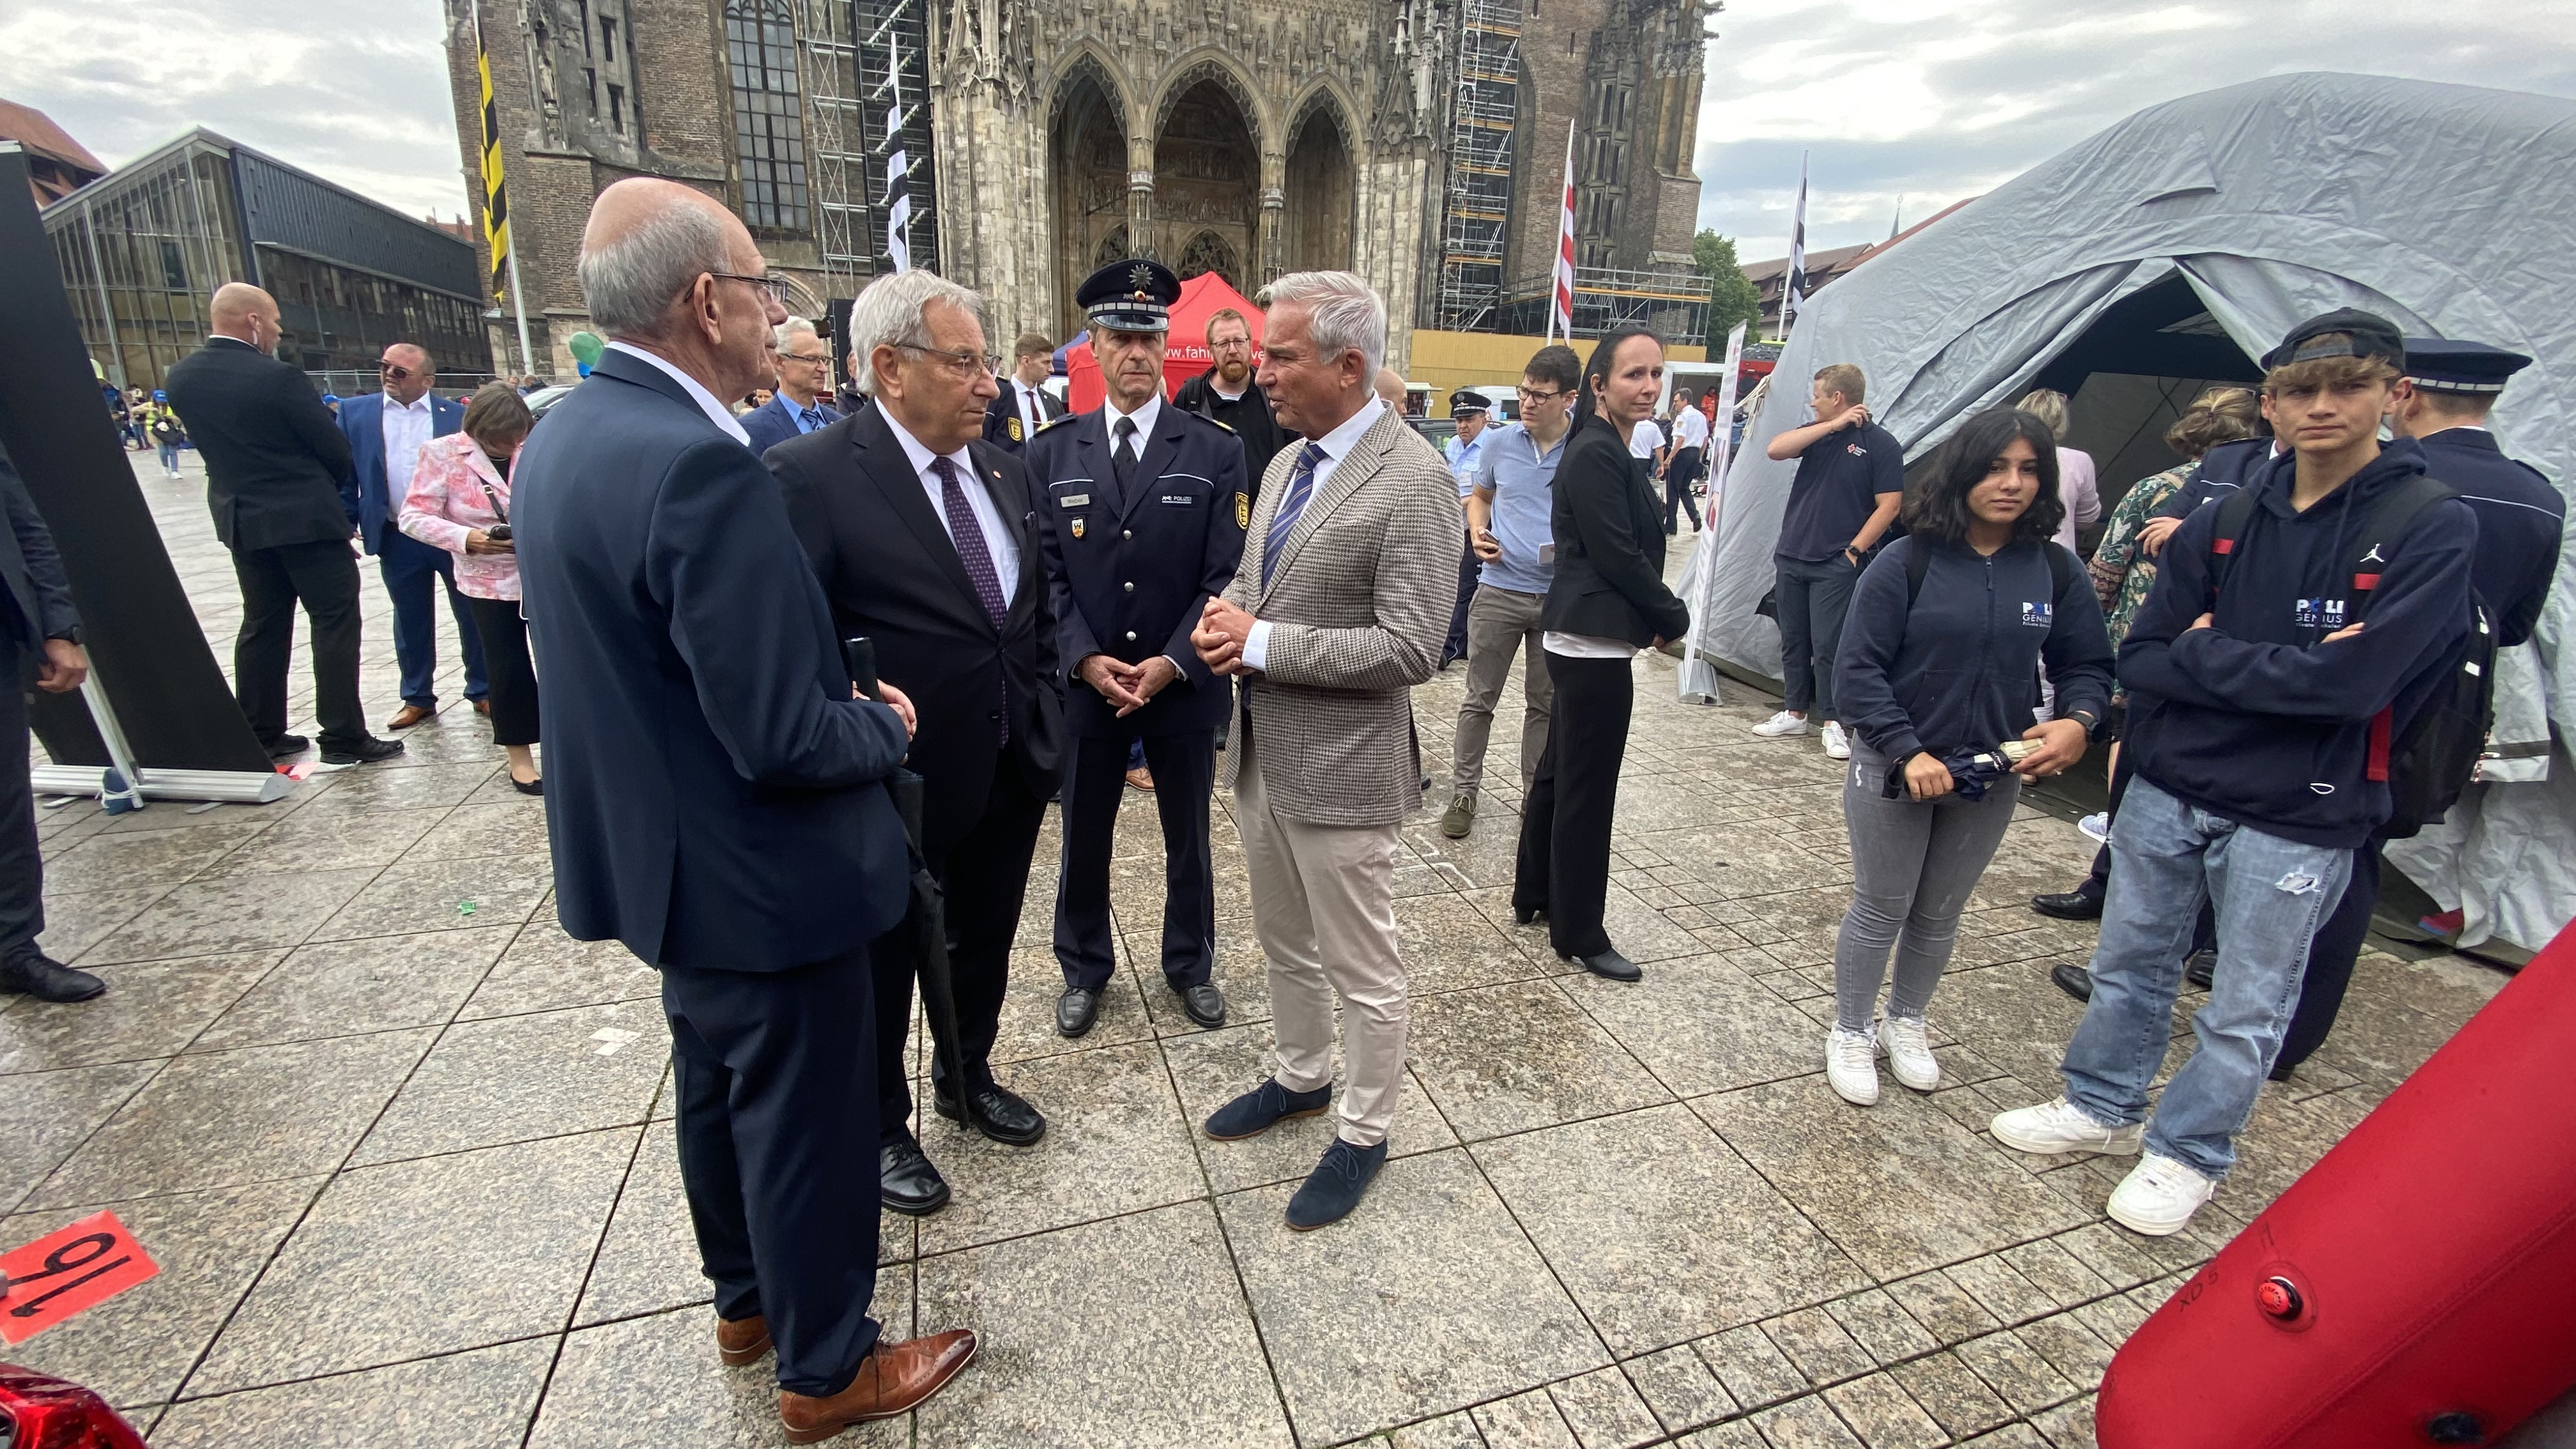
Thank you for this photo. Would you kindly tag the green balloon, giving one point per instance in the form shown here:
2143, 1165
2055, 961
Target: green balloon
585, 348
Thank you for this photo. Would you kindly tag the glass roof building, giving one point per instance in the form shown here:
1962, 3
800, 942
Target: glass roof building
143, 248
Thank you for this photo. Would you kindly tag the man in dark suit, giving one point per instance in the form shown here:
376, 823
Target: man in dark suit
715, 798
385, 432
926, 543
1023, 405
798, 408
1141, 509
284, 496
39, 644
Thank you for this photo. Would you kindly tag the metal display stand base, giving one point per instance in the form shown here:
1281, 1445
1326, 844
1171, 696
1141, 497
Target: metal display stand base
241, 787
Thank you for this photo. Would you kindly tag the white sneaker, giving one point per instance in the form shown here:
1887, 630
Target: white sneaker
1837, 741
2057, 1126
1909, 1051
2159, 1196
2097, 825
1851, 1065
1783, 723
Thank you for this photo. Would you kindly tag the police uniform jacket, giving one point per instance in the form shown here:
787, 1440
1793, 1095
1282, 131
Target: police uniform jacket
2520, 521
1130, 574
1002, 425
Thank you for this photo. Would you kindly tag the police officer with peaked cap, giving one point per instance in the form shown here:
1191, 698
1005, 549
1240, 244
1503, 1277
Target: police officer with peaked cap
1142, 508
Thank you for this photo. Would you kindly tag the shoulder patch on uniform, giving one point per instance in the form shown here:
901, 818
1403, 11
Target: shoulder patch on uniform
1053, 421
1242, 509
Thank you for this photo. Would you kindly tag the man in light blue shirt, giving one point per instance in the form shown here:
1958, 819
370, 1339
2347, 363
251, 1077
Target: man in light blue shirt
1510, 530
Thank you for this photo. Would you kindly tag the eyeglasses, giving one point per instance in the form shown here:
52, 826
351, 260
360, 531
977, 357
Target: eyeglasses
1528, 396
809, 358
1231, 343
393, 370
776, 287
963, 364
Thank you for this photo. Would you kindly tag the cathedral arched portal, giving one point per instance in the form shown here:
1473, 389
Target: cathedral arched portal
1207, 185
1321, 193
1087, 159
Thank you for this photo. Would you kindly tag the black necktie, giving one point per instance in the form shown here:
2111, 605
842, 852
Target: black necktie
1120, 459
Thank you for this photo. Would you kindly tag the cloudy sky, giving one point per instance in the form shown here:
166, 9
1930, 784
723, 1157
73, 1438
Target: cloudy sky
1923, 101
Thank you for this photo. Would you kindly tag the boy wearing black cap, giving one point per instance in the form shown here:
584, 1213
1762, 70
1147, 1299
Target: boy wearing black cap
2259, 737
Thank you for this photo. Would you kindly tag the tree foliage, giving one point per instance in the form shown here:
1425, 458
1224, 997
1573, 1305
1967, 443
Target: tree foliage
1732, 298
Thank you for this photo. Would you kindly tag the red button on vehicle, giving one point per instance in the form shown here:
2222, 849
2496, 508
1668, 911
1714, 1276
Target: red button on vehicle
2278, 1297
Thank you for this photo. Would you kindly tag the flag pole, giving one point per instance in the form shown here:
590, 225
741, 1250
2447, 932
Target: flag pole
497, 230
1560, 311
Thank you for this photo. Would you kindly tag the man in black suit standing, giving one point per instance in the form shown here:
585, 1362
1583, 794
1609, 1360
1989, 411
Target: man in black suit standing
39, 644
276, 464
804, 374
1023, 405
715, 798
1142, 508
926, 543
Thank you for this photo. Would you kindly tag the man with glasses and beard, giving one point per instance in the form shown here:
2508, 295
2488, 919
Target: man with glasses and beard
386, 431
1228, 393
798, 407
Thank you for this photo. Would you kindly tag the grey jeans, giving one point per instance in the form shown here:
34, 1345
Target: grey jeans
1913, 864
1500, 623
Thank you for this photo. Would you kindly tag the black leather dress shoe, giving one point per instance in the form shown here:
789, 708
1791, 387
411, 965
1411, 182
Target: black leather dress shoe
36, 974
2201, 968
287, 746
2069, 906
1204, 1003
1076, 1010
907, 1181
997, 1112
2072, 979
1608, 964
363, 751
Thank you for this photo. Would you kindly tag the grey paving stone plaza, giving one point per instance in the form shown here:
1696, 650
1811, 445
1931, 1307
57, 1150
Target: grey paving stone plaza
408, 1184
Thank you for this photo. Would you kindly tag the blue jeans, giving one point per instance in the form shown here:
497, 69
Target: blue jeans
2270, 894
169, 457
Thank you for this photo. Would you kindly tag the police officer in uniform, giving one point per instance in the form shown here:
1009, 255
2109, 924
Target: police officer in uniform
1023, 405
1141, 508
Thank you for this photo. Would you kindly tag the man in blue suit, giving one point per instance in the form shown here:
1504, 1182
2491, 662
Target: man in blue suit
1142, 514
385, 431
804, 371
715, 798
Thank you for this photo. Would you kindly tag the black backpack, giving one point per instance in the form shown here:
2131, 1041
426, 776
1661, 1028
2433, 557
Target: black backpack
2427, 766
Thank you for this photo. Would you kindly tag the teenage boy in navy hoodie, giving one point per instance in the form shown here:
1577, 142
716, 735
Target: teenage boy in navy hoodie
2252, 742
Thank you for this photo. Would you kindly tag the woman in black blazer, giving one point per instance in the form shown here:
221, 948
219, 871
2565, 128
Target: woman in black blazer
1606, 601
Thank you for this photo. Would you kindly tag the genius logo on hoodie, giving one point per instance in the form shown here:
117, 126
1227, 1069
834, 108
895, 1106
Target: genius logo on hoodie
2039, 616
2326, 614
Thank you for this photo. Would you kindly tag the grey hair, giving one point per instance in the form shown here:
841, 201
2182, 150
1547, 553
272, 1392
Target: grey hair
889, 314
1346, 313
794, 324
629, 283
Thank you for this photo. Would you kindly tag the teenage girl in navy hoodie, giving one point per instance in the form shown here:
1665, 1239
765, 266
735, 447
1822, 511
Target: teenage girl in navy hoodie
1951, 666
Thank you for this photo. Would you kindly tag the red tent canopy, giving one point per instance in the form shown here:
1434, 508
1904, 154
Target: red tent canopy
1185, 353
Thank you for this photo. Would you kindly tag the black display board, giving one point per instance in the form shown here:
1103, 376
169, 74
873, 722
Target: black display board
174, 703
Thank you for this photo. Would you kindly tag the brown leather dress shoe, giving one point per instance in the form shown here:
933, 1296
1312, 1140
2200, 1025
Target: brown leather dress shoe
1141, 778
893, 1379
742, 1340
407, 716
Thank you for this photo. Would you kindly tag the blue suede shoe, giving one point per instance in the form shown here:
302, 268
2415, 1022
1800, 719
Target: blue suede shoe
1335, 1186
1258, 1110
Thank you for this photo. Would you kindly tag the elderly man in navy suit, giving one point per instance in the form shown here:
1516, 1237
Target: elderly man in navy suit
39, 645
804, 375
716, 798
1141, 509
386, 431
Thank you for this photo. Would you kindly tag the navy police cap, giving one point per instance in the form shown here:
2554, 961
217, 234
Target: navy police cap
2437, 365
1135, 295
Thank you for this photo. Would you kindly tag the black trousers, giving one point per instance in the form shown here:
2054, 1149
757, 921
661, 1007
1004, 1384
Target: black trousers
1677, 488
985, 878
1563, 866
778, 1138
22, 868
1184, 767
323, 577
1470, 569
511, 674
2331, 955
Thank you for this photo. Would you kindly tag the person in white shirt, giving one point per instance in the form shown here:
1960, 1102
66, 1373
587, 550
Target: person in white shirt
386, 431
1681, 470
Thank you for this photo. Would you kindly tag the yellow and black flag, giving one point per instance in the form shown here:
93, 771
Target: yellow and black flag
496, 199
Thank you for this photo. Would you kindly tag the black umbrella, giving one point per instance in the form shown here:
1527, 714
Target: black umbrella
1972, 771
927, 918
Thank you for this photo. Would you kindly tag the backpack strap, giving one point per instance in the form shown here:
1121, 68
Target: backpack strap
2234, 512
1918, 563
2388, 522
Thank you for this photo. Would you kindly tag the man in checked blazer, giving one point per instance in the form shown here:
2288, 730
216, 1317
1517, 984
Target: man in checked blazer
1339, 609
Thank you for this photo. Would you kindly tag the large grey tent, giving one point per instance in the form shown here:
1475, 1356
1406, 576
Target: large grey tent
2170, 249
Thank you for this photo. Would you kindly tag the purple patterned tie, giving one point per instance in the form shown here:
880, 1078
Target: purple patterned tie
972, 551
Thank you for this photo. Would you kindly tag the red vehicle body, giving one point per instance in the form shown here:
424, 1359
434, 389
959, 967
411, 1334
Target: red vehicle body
44, 1412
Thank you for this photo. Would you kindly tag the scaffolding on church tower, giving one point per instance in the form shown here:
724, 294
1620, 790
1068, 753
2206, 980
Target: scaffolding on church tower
826, 33
893, 64
1477, 208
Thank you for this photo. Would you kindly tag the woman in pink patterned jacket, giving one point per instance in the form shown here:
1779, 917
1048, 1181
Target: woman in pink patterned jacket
460, 501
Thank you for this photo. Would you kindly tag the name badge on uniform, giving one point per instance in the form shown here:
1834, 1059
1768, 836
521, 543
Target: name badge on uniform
2039, 616
1077, 528
1178, 498
1074, 500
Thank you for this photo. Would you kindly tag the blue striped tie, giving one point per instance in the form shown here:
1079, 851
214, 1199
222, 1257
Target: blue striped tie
1301, 487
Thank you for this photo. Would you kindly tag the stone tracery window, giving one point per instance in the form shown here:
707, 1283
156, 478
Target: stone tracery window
1207, 252
768, 113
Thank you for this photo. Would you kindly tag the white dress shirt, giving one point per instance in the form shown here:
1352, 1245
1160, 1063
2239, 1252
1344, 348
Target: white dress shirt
1032, 411
1002, 543
716, 412
1337, 445
1644, 439
407, 428
1690, 428
1144, 416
